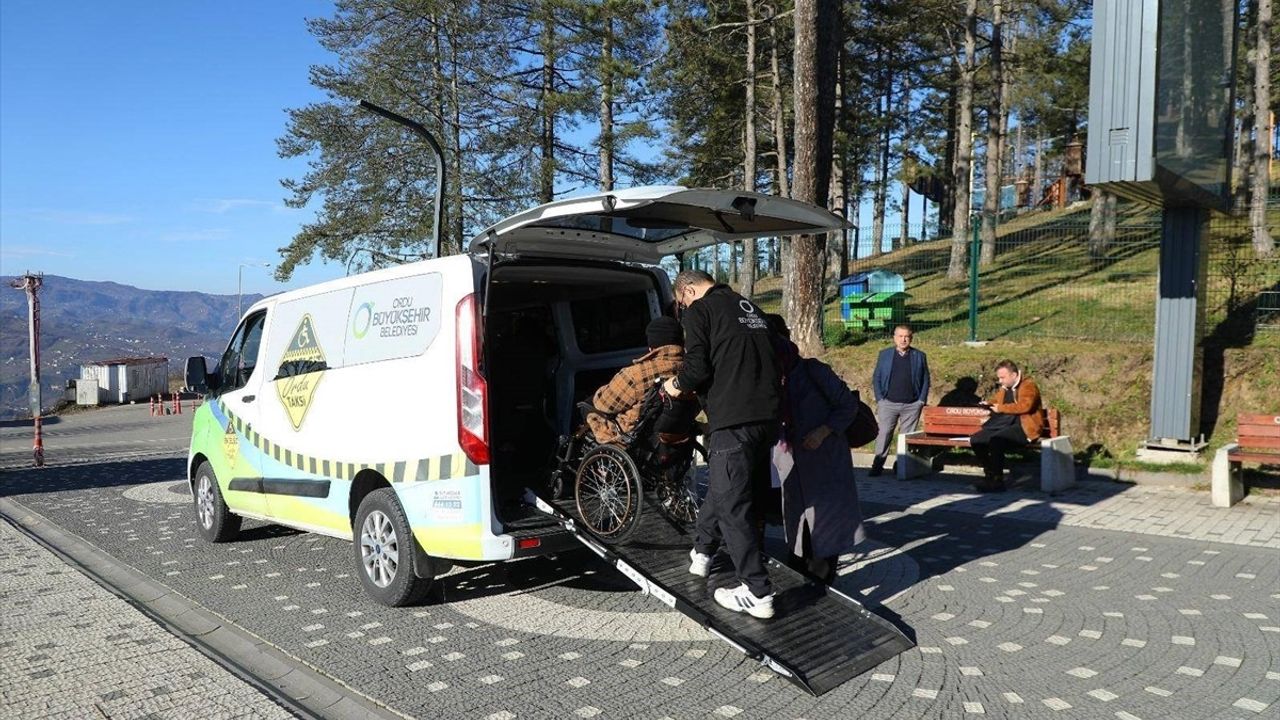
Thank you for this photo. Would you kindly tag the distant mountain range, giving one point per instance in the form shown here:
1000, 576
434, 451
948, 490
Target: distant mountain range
84, 321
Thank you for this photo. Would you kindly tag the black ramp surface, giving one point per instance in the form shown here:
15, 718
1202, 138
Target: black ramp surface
818, 637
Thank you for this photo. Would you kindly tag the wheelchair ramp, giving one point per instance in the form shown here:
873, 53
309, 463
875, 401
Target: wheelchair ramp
818, 637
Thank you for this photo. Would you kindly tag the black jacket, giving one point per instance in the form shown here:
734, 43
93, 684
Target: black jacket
729, 360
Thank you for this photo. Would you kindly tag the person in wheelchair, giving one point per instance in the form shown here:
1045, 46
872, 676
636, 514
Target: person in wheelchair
618, 403
635, 438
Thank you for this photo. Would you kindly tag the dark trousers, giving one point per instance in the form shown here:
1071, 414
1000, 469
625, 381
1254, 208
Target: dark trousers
738, 460
1000, 434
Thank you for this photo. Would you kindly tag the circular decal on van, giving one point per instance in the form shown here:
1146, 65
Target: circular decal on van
359, 329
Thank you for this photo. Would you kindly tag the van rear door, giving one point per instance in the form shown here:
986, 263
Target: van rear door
647, 223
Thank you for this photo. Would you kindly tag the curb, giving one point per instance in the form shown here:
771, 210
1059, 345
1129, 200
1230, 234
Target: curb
289, 681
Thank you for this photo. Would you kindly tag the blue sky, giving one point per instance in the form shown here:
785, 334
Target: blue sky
137, 140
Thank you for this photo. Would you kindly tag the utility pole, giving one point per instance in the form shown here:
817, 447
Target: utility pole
31, 284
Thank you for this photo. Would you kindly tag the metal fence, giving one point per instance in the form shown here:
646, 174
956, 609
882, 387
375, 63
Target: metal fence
1048, 280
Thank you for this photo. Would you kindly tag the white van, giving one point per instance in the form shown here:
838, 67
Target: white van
416, 404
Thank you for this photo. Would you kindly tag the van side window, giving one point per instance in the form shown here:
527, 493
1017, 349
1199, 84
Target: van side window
241, 357
610, 323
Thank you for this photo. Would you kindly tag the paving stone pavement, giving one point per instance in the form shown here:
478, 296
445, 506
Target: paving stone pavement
1166, 512
71, 649
1111, 601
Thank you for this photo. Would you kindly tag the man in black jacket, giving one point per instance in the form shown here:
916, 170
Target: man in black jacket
730, 361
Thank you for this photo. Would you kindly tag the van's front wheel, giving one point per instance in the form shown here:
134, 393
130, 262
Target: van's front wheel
384, 551
217, 523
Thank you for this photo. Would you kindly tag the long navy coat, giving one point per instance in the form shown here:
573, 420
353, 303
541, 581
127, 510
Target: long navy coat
820, 491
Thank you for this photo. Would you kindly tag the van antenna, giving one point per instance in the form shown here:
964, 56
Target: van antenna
431, 140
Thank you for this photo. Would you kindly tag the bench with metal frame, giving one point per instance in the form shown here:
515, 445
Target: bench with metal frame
1257, 440
945, 428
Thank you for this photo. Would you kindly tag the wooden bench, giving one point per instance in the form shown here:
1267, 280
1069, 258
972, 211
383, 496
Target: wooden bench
951, 427
1257, 440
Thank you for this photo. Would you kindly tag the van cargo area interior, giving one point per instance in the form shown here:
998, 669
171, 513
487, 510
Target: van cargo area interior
554, 333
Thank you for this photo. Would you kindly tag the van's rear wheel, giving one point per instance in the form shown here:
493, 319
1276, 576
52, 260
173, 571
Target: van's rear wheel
216, 522
608, 493
384, 551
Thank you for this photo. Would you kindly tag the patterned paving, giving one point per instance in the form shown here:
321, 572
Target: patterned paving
1110, 601
70, 649
1013, 618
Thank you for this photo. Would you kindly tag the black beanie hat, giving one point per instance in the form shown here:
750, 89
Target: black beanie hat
664, 331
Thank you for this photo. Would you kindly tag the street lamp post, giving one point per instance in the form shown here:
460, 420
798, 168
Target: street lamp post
240, 284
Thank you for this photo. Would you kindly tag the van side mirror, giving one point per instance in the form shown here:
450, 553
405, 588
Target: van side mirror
198, 377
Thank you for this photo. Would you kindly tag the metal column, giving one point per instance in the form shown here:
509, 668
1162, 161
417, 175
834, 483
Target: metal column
1175, 377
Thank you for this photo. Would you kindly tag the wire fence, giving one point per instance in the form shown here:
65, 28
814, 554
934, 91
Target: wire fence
1047, 279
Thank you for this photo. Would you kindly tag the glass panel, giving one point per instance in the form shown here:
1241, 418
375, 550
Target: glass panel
1193, 91
610, 323
614, 225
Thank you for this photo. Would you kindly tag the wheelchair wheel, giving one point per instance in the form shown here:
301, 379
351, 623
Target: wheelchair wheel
680, 491
608, 494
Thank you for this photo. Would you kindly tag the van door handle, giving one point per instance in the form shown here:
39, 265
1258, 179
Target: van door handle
248, 398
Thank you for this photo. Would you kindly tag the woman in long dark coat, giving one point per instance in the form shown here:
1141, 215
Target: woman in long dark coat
821, 516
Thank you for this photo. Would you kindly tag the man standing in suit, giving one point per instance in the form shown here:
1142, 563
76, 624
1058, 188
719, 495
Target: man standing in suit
1016, 418
901, 386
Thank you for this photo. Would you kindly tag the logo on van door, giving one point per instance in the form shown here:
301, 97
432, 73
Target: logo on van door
301, 368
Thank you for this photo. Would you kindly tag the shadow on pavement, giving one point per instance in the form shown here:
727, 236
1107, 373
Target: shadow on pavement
575, 569
46, 422
115, 473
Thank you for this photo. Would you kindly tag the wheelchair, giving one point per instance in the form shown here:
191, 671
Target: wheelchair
609, 481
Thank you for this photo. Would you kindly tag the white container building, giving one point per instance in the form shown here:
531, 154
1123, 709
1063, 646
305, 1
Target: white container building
125, 380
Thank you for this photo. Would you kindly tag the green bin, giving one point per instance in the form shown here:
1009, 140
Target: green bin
874, 311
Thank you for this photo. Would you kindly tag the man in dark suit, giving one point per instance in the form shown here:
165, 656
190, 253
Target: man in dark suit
901, 386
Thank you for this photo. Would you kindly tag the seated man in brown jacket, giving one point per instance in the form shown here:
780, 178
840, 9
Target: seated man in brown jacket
1016, 419
624, 394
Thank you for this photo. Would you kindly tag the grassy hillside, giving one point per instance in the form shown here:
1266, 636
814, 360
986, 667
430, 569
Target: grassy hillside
1082, 324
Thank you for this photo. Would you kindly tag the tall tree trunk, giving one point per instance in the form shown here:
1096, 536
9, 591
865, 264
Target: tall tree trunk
749, 151
1263, 243
1037, 177
904, 233
816, 47
779, 121
1015, 160
606, 100
441, 109
855, 215
947, 208
458, 227
995, 137
905, 163
881, 192
781, 251
1101, 223
847, 234
547, 168
1242, 163
957, 267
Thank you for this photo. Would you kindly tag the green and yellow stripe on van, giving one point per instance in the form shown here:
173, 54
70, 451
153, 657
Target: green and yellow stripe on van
439, 467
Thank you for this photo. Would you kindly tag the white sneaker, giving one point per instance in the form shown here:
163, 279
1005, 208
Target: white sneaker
699, 563
740, 599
